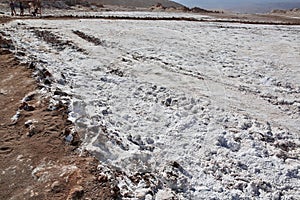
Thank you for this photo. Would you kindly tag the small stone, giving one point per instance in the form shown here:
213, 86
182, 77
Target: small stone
149, 140
102, 179
175, 164
20, 53
56, 187
47, 81
60, 93
69, 138
76, 193
67, 131
32, 65
47, 73
29, 97
168, 101
27, 107
148, 197
32, 130
28, 123
104, 112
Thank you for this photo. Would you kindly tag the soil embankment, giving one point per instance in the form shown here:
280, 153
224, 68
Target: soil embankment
36, 162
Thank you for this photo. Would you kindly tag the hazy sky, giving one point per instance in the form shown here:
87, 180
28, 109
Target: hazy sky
229, 4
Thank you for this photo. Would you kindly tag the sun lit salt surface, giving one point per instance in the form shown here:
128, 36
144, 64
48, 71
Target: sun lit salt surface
210, 110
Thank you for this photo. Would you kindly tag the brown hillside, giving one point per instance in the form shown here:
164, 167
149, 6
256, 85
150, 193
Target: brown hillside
137, 3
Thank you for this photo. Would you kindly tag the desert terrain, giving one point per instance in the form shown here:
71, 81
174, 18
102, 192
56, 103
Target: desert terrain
149, 104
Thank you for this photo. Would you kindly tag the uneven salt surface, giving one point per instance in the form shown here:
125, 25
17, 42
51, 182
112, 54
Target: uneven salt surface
190, 110
137, 14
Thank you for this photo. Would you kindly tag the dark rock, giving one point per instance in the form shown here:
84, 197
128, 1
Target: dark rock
47, 81
76, 193
105, 112
32, 131
60, 93
69, 138
102, 179
149, 140
29, 97
63, 76
32, 65
168, 101
27, 107
57, 187
20, 53
28, 123
175, 164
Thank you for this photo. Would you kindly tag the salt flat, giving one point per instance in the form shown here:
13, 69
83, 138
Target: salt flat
205, 110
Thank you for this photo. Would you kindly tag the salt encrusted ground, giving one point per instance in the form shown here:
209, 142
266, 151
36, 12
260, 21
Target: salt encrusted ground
185, 109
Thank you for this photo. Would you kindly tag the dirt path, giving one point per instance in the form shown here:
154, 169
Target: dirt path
36, 162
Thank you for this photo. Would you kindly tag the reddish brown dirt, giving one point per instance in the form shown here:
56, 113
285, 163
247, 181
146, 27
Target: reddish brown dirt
40, 165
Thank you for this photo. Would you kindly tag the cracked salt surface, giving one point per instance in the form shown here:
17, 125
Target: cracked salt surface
186, 110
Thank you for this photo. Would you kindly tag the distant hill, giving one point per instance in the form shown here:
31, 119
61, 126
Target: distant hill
121, 3
265, 7
137, 3
250, 6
